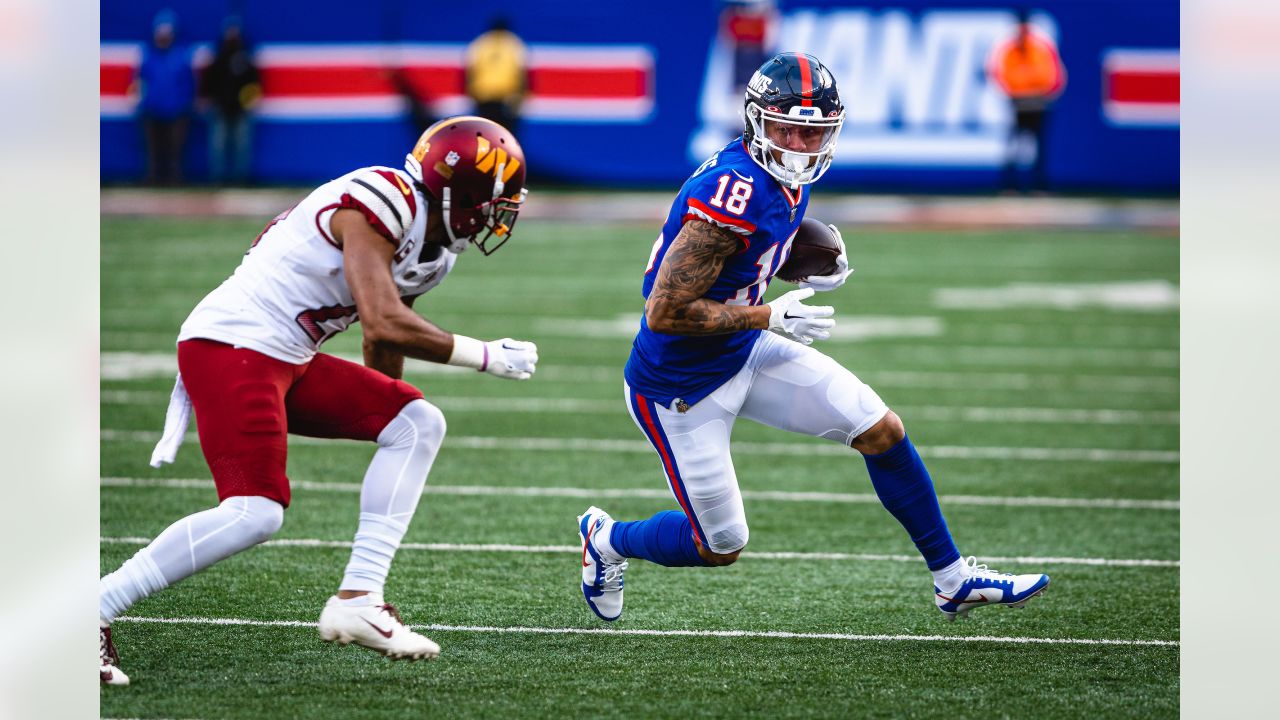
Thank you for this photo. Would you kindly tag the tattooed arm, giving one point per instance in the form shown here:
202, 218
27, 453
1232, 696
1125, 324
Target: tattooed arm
693, 262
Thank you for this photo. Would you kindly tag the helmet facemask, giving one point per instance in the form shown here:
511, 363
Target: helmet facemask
497, 216
793, 167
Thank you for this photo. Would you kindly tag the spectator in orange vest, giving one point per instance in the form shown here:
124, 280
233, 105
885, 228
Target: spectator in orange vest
1028, 69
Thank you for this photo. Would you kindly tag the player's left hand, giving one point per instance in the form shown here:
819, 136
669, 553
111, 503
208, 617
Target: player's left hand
823, 283
512, 359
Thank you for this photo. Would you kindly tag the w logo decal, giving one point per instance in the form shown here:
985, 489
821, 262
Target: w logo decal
489, 159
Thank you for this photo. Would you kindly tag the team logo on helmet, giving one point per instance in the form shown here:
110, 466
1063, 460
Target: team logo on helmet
495, 160
759, 83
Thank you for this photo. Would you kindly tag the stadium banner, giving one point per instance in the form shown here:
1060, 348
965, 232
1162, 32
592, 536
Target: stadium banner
637, 96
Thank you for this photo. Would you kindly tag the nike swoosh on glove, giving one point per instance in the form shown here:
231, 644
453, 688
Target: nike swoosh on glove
823, 283
513, 359
803, 323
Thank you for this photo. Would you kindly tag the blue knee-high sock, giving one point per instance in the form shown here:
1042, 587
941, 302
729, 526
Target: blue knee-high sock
665, 539
905, 489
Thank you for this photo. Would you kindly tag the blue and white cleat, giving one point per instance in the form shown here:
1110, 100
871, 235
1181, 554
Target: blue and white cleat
601, 578
988, 587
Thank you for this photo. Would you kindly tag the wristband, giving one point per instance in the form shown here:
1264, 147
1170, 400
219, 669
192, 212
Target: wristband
469, 352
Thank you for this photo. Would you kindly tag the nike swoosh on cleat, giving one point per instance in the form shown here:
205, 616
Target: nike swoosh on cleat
383, 633
587, 542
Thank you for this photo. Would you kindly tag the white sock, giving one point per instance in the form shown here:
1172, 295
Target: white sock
408, 445
950, 577
187, 547
603, 546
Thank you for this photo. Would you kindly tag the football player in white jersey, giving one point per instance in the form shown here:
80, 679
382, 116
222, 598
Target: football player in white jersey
360, 247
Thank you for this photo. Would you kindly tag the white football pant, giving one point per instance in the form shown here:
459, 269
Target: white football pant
784, 385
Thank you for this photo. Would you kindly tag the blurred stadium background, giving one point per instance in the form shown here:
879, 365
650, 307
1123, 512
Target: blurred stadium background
1031, 344
620, 97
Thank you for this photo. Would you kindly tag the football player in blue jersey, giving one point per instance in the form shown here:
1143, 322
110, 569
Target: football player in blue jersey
705, 356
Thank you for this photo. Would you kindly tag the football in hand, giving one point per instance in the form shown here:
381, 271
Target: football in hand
813, 252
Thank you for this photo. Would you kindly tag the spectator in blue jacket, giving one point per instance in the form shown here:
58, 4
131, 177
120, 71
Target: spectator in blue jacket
166, 87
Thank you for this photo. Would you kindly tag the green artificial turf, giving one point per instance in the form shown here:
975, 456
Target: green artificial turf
1033, 372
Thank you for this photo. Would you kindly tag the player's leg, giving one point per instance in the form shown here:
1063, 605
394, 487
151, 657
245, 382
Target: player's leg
238, 398
709, 529
340, 399
801, 390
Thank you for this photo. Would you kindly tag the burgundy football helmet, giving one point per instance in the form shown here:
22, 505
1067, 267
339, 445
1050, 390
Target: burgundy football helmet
475, 169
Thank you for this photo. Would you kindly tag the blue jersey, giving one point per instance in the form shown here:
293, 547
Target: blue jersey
729, 190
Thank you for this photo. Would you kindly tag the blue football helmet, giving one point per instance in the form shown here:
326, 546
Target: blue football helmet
793, 116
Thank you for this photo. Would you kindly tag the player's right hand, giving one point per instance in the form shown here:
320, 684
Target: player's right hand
512, 359
802, 323
825, 283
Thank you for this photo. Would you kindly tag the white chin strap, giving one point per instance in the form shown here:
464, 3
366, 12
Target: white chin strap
457, 245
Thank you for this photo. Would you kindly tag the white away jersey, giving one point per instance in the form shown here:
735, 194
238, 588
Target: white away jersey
290, 292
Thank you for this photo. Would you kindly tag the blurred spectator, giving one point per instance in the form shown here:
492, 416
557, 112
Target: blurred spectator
748, 25
745, 37
166, 86
416, 101
1028, 69
497, 74
232, 85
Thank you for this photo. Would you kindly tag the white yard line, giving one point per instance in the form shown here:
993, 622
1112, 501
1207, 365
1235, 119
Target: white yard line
1157, 296
134, 366
863, 327
608, 445
662, 494
769, 634
457, 403
577, 549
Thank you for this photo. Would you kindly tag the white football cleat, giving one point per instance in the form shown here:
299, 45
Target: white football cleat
109, 672
988, 587
601, 578
376, 626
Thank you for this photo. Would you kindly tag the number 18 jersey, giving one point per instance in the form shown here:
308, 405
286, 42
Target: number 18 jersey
733, 192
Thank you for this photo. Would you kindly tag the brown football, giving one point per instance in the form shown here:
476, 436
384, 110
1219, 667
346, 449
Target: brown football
813, 252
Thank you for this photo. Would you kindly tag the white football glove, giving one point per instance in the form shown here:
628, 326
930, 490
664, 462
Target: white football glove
507, 358
823, 283
802, 323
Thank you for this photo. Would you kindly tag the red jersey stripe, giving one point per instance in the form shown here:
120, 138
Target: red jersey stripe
721, 217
